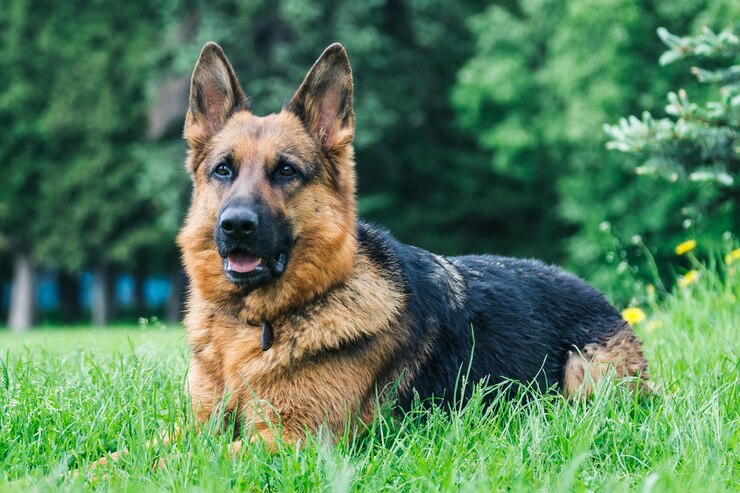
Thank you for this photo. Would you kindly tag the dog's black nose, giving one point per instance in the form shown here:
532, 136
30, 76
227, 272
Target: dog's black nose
238, 222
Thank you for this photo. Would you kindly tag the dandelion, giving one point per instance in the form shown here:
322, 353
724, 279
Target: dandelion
732, 256
685, 247
633, 315
689, 278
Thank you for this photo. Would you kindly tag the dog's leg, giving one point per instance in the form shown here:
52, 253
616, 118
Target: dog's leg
103, 461
620, 355
164, 439
235, 447
265, 433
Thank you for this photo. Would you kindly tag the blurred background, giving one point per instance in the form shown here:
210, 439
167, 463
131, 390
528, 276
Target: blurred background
479, 129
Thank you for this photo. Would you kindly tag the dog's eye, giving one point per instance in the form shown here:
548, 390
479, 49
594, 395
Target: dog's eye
223, 170
286, 170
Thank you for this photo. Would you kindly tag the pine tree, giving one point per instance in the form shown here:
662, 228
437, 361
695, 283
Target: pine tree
697, 143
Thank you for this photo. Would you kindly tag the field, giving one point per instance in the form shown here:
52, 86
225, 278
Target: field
69, 396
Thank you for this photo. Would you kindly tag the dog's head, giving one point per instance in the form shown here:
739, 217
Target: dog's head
273, 212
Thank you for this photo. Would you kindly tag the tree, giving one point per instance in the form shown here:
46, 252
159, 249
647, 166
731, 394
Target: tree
697, 147
75, 102
24, 148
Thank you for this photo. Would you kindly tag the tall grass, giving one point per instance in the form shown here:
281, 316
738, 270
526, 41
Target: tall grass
62, 407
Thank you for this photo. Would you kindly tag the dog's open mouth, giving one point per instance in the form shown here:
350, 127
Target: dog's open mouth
242, 263
241, 266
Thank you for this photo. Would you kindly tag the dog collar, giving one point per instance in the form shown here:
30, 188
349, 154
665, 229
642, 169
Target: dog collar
267, 335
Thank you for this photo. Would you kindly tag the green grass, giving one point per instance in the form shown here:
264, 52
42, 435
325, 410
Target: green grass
68, 397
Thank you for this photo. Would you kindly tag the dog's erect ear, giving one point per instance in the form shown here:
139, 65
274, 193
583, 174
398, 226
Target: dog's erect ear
214, 93
323, 102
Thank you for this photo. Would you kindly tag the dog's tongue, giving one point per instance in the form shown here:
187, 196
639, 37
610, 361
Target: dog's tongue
240, 262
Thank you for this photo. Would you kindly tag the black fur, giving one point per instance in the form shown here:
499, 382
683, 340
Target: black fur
518, 318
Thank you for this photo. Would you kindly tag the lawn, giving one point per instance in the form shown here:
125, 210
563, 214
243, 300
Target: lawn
69, 396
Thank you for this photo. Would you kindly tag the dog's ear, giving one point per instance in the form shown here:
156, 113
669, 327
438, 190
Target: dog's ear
323, 102
214, 93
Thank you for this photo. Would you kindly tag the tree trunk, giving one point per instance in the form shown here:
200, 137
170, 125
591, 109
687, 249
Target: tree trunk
175, 300
69, 297
103, 296
23, 294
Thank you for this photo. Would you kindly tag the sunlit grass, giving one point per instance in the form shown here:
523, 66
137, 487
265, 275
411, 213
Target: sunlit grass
67, 398
103, 340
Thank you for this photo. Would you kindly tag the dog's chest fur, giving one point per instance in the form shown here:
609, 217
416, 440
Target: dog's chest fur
323, 363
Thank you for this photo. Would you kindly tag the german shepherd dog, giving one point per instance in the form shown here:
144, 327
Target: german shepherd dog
300, 313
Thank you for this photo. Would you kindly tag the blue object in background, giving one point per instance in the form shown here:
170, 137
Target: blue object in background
86, 282
47, 292
125, 290
156, 291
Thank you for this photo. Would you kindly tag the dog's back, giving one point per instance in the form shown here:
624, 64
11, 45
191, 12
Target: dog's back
518, 319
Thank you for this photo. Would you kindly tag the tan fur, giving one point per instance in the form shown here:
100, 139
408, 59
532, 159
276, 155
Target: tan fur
301, 377
620, 356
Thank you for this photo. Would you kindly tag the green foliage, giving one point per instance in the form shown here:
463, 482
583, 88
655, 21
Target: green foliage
75, 110
62, 406
24, 142
544, 78
700, 143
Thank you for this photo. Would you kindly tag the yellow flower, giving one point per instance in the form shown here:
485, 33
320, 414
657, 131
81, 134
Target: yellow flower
732, 256
633, 315
689, 278
685, 247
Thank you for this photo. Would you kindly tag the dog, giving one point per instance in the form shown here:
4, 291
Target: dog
300, 314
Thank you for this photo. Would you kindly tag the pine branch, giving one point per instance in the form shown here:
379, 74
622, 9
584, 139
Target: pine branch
707, 44
699, 143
